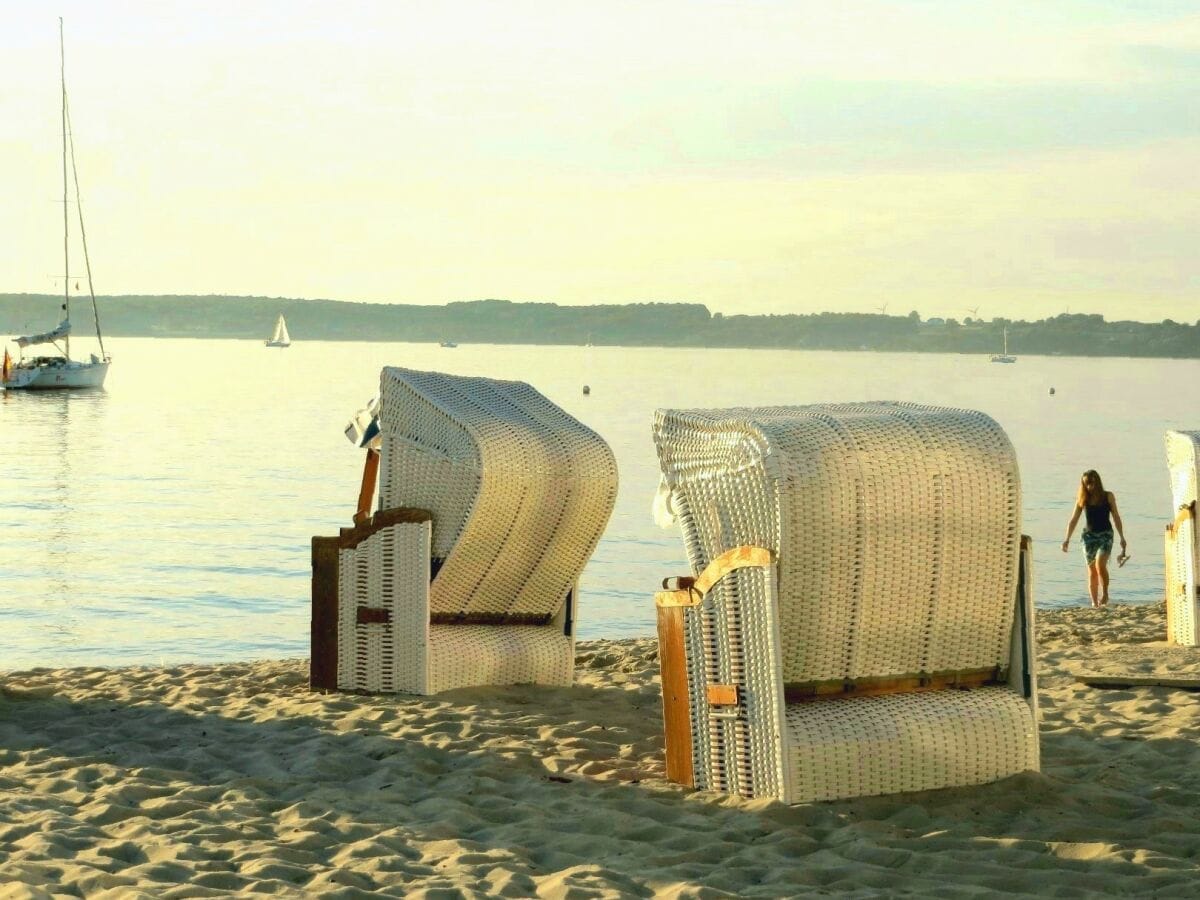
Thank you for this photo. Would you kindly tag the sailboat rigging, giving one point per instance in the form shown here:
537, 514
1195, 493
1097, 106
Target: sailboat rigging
58, 372
280, 338
1004, 357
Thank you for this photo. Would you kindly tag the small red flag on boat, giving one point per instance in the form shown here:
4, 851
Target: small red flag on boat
6, 368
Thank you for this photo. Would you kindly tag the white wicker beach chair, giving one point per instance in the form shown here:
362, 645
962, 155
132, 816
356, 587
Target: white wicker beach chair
859, 620
1180, 552
491, 501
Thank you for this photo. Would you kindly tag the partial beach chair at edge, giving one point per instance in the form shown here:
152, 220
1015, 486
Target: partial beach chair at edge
1181, 547
859, 620
491, 501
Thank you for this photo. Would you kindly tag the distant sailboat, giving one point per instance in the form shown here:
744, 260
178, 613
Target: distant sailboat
59, 372
280, 338
1004, 357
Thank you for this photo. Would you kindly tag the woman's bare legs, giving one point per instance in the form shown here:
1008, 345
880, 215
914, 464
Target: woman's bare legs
1102, 568
1098, 580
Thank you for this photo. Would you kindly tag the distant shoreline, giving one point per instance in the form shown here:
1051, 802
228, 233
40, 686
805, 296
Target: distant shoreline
626, 325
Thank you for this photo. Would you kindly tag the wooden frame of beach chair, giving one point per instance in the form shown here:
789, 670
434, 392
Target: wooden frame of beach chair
1181, 542
491, 501
860, 617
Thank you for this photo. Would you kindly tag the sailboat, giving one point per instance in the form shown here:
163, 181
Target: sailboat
61, 371
1004, 357
280, 338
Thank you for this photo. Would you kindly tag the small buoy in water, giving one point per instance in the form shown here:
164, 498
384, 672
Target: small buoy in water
1051, 392
586, 389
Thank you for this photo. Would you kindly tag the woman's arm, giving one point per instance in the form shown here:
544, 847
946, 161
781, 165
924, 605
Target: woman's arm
1071, 525
1116, 517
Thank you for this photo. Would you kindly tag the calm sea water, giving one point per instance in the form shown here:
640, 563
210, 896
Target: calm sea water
167, 518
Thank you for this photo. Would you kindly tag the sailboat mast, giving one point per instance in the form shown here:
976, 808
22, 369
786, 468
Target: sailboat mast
87, 260
62, 69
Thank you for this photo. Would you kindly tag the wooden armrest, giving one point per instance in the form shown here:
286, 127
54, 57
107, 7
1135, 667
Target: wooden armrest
690, 591
352, 537
1188, 511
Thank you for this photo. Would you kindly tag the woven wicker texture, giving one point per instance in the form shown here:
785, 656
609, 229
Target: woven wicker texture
895, 531
896, 525
735, 640
519, 490
467, 655
388, 571
1180, 546
908, 742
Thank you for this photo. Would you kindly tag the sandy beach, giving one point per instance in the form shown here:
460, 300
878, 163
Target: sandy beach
208, 780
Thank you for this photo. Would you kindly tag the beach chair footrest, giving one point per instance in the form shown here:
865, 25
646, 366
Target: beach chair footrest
908, 742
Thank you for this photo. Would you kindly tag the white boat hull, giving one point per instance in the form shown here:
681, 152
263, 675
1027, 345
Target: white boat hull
56, 375
278, 343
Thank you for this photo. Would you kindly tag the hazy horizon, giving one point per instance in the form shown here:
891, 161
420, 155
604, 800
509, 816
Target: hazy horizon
967, 314
988, 160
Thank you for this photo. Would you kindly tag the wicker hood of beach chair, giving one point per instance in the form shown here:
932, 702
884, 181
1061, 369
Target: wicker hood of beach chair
516, 494
1180, 542
880, 640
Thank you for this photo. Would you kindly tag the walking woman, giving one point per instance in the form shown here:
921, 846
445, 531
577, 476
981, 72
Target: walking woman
1098, 505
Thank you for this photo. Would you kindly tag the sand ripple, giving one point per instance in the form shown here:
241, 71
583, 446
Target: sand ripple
210, 780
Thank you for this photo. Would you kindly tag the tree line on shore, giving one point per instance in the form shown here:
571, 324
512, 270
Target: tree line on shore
634, 324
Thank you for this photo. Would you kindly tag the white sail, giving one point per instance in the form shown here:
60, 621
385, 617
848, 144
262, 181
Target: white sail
46, 337
280, 338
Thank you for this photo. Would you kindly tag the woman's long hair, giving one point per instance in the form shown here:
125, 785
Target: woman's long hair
1091, 488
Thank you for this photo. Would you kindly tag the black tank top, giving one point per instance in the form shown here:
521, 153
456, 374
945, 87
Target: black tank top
1097, 516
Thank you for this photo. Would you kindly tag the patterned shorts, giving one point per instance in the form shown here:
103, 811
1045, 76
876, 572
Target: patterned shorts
1097, 543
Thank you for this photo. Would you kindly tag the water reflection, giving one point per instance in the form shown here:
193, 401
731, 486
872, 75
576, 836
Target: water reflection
41, 507
171, 522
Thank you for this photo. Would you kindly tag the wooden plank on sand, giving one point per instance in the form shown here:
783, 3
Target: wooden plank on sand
1179, 682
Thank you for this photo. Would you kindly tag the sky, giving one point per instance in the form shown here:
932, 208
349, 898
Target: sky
979, 159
